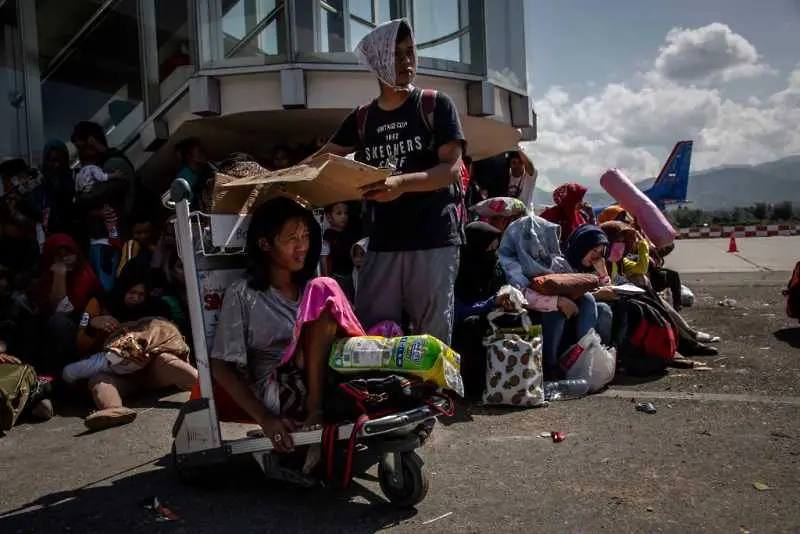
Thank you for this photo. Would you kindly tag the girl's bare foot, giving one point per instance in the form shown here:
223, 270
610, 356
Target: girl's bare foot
312, 422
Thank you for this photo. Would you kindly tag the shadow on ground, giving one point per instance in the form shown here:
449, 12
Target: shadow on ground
789, 335
241, 500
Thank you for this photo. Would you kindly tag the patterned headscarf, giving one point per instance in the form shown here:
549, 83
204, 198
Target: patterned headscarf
376, 51
568, 196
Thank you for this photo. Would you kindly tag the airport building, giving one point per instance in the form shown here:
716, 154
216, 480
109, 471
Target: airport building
244, 75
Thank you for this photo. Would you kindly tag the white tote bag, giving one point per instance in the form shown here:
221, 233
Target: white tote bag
514, 365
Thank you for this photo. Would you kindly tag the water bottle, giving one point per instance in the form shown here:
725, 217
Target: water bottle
574, 388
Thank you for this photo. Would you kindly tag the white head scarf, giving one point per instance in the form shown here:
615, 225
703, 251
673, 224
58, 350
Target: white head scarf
376, 51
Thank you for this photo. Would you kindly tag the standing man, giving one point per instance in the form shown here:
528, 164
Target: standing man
414, 230
521, 178
90, 140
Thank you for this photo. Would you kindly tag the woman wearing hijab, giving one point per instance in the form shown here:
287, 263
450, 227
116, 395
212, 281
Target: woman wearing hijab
415, 232
629, 261
567, 212
58, 189
65, 285
479, 279
129, 301
529, 249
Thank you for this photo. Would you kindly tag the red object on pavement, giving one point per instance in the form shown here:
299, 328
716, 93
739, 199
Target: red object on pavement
558, 437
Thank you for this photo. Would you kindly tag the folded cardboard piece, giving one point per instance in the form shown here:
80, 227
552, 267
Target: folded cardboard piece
326, 179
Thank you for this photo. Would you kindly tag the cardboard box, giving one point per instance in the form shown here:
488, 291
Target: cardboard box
325, 180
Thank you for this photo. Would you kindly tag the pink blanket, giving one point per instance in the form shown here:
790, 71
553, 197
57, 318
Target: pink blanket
322, 294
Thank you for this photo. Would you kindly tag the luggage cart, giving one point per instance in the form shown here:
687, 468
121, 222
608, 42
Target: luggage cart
199, 436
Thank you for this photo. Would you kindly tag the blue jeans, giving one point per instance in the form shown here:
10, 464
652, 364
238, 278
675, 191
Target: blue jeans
554, 337
605, 322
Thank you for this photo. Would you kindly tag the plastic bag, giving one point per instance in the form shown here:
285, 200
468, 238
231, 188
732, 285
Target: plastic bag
514, 365
590, 360
422, 356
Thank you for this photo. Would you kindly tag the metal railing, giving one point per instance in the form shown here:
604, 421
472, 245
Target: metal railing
83, 32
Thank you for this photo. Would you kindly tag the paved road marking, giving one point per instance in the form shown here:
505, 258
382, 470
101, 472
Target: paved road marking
754, 264
713, 397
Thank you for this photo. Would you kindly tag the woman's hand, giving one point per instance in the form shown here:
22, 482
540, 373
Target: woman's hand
59, 268
277, 430
605, 294
503, 300
106, 323
567, 307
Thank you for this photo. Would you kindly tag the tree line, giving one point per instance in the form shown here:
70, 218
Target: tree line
757, 214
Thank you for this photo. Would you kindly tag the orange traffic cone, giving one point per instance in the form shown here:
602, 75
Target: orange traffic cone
732, 244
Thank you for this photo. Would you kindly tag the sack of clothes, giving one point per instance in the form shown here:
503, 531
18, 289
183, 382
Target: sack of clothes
514, 374
423, 356
20, 390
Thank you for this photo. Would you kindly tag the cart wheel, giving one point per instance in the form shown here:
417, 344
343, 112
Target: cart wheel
414, 485
188, 475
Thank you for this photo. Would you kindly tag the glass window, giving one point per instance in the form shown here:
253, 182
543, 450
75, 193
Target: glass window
365, 15
331, 26
253, 28
441, 29
89, 66
13, 139
505, 50
172, 35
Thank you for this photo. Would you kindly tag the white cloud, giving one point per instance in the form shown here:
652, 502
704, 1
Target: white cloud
632, 125
707, 54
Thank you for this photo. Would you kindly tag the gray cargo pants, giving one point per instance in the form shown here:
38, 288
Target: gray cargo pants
419, 282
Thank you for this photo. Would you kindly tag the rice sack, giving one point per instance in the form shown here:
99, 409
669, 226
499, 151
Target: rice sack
423, 356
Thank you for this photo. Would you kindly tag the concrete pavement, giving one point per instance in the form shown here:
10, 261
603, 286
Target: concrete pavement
764, 254
691, 467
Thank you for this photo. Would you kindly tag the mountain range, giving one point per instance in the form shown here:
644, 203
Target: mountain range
723, 187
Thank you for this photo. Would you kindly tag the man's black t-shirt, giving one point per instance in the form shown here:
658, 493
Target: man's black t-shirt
415, 221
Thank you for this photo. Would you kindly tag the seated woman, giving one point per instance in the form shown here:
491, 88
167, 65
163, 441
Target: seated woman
568, 210
60, 293
130, 300
476, 294
529, 249
276, 327
626, 241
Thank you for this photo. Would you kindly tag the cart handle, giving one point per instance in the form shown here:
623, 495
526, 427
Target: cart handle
179, 190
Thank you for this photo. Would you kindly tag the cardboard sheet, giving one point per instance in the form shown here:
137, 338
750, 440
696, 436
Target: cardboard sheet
327, 179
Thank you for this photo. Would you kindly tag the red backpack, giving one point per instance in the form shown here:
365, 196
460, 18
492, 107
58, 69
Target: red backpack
651, 340
792, 294
427, 107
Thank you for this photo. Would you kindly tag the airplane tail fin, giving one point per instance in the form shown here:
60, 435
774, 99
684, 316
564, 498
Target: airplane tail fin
672, 184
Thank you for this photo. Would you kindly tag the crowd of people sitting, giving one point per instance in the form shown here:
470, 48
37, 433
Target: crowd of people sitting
87, 259
83, 253
92, 286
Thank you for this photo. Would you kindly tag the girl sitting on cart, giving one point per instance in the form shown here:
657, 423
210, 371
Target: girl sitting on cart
276, 327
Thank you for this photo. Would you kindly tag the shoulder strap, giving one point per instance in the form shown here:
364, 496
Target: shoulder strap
361, 120
427, 105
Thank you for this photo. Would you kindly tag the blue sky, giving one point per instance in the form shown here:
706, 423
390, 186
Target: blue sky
613, 82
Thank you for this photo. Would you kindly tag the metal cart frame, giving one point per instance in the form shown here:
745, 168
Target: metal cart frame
197, 433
